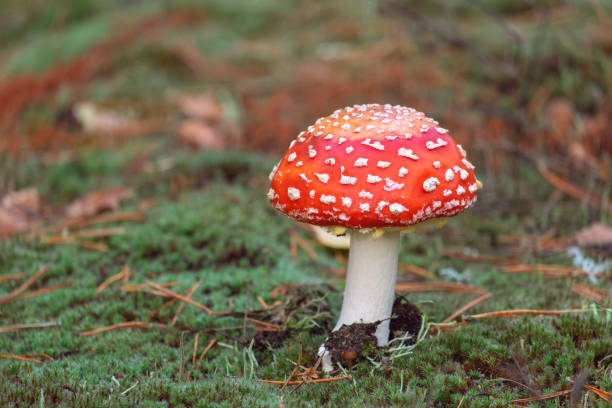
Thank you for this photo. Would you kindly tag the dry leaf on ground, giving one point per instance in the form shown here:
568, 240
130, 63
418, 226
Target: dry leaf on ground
99, 201
200, 106
595, 234
18, 211
96, 119
202, 135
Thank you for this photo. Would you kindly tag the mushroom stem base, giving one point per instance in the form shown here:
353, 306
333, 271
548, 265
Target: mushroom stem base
370, 281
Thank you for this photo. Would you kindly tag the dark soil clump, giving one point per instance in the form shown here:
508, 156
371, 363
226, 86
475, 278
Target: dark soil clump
263, 340
350, 338
407, 318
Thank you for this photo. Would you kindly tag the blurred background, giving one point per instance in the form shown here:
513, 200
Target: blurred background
518, 82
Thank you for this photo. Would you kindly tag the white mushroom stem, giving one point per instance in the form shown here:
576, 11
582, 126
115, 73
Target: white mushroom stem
370, 281
370, 285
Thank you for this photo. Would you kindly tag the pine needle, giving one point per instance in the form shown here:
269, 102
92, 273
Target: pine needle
437, 287
466, 307
124, 325
14, 294
188, 294
541, 397
208, 347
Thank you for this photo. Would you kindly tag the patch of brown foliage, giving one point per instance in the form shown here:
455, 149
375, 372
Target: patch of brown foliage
19, 92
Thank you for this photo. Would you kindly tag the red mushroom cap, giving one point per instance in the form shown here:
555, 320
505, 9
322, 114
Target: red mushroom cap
373, 166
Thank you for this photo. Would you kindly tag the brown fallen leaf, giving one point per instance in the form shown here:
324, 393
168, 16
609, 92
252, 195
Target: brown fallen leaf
18, 211
99, 201
200, 106
595, 234
104, 121
200, 134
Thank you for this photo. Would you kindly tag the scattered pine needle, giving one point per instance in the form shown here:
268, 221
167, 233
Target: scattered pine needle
461, 402
541, 397
604, 395
416, 270
570, 189
293, 246
97, 232
44, 290
14, 294
522, 312
7, 278
207, 349
437, 287
124, 325
590, 292
262, 302
466, 307
302, 243
474, 258
188, 294
103, 219
143, 287
162, 307
195, 348
43, 355
169, 293
68, 240
17, 327
269, 326
125, 272
22, 358
550, 271
300, 382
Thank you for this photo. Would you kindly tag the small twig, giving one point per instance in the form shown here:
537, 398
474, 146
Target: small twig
208, 347
466, 307
17, 327
188, 294
124, 325
11, 296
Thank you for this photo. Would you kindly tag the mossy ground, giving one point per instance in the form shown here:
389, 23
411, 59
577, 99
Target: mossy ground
212, 223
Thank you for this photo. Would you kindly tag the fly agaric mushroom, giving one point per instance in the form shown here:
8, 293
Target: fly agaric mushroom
377, 170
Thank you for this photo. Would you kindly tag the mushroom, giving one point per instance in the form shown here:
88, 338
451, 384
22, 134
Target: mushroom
376, 170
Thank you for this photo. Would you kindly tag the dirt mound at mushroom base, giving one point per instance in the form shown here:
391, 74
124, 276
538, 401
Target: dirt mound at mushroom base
406, 318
